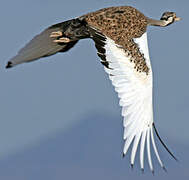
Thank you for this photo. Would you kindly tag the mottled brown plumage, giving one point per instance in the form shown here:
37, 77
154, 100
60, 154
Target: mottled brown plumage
118, 22
122, 24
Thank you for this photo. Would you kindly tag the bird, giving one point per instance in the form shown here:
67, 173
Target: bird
120, 37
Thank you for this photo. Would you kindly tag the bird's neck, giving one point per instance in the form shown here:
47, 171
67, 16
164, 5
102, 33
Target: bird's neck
154, 22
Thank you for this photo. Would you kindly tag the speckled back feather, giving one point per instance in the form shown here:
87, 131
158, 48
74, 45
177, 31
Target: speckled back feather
122, 24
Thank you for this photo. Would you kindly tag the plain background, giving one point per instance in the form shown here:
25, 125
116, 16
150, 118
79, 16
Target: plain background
59, 116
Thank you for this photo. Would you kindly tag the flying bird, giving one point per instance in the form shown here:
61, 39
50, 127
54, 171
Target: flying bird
120, 37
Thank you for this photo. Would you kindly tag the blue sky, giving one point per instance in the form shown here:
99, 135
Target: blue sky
53, 95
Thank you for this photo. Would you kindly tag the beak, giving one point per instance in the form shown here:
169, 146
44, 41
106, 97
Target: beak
177, 19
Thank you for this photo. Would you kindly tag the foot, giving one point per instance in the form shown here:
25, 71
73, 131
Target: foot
62, 40
56, 34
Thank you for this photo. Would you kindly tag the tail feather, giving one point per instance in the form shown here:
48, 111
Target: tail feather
44, 44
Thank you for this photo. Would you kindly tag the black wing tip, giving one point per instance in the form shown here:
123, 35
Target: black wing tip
176, 159
142, 170
9, 65
153, 172
164, 169
123, 155
172, 155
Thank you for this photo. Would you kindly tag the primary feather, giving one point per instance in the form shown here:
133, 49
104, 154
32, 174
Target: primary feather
135, 92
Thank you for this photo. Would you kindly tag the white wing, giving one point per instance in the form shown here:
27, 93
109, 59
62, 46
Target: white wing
135, 93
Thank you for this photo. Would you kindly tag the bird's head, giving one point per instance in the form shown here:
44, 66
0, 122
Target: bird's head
169, 18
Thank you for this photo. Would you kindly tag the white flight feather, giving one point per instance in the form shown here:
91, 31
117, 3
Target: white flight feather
135, 92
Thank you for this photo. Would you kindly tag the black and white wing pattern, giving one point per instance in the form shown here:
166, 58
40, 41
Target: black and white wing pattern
135, 92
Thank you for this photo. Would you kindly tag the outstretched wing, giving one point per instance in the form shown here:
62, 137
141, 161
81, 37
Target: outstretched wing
135, 92
42, 45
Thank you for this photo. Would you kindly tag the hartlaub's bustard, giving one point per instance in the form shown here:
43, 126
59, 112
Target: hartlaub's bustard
120, 37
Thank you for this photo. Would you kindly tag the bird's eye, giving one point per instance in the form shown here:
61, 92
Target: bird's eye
167, 18
164, 18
